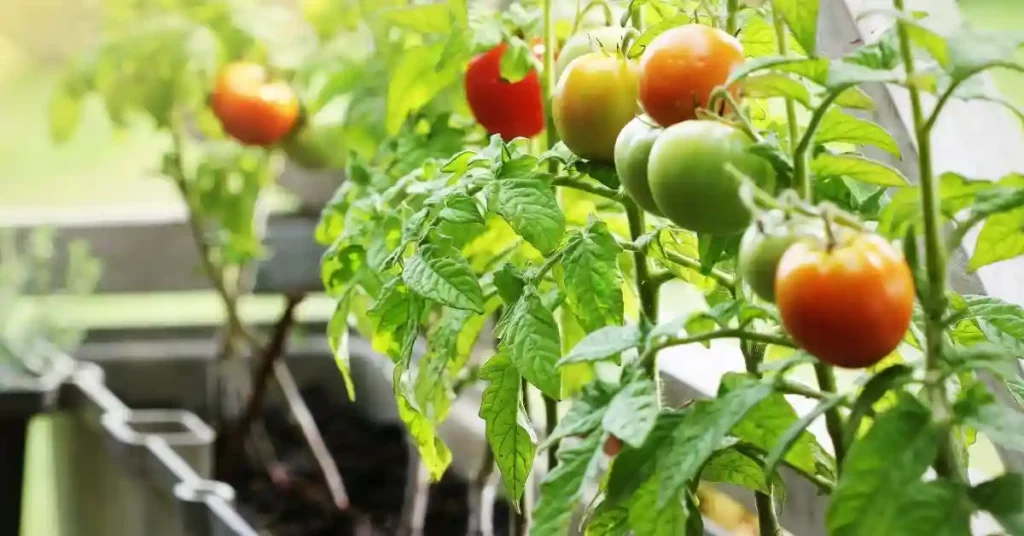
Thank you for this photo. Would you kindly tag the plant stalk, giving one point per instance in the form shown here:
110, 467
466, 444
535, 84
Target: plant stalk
947, 464
833, 420
645, 286
804, 188
767, 519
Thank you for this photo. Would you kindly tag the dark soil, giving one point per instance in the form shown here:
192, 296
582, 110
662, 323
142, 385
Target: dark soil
373, 461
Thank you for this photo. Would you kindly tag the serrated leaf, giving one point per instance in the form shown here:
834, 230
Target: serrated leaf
1003, 425
838, 126
956, 193
1000, 237
460, 208
1001, 322
507, 425
758, 39
802, 18
855, 98
1003, 497
703, 428
529, 206
813, 69
590, 277
433, 452
769, 85
933, 508
510, 282
530, 338
983, 356
563, 487
425, 18
795, 433
648, 516
881, 383
414, 82
857, 168
605, 343
842, 75
729, 466
337, 339
516, 61
972, 51
584, 415
339, 265
608, 521
636, 49
396, 320
632, 412
634, 466
879, 468
669, 244
440, 273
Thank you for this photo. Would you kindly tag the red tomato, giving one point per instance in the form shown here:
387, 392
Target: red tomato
612, 445
681, 67
251, 109
848, 305
509, 109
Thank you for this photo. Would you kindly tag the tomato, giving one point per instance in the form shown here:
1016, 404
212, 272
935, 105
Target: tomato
594, 99
632, 153
689, 181
612, 445
681, 67
510, 109
251, 109
604, 39
848, 305
763, 245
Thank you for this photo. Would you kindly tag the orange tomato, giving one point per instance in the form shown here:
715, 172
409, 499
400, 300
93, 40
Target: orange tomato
681, 67
612, 446
848, 305
251, 109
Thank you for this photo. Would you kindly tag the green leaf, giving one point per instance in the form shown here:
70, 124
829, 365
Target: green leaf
516, 61
857, 168
716, 248
956, 193
507, 425
529, 206
396, 317
769, 85
1000, 237
563, 487
650, 515
530, 338
971, 51
802, 18
730, 466
855, 98
510, 282
933, 508
634, 466
414, 82
337, 338
1003, 497
439, 272
632, 412
426, 18
608, 521
880, 468
636, 49
340, 264
605, 343
795, 433
65, 114
841, 76
978, 409
460, 208
703, 429
433, 452
813, 69
985, 356
758, 39
838, 126
891, 378
584, 415
671, 243
590, 277
1001, 322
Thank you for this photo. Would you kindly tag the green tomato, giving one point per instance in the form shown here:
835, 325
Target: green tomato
689, 180
763, 244
594, 99
632, 153
605, 39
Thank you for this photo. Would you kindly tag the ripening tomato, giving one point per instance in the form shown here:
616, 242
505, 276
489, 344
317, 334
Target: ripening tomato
764, 243
510, 109
605, 39
849, 304
681, 67
612, 445
632, 154
250, 108
689, 180
594, 99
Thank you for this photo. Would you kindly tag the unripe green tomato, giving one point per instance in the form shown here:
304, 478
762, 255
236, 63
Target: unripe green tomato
763, 245
689, 180
594, 99
632, 153
605, 39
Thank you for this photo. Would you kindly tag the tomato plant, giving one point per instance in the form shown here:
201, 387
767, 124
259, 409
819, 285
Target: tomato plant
451, 233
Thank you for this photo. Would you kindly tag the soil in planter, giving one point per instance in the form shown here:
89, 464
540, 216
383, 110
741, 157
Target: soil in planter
373, 461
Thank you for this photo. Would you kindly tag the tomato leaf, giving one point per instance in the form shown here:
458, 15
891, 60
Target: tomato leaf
758, 39
425, 18
986, 356
460, 208
971, 52
703, 429
795, 432
978, 409
603, 344
608, 521
516, 61
435, 454
838, 126
634, 466
440, 273
855, 98
730, 466
716, 248
769, 85
670, 243
396, 317
632, 412
414, 82
802, 18
1003, 497
590, 277
339, 264
507, 426
584, 415
857, 168
652, 515
530, 339
934, 508
880, 468
65, 113
337, 339
881, 383
636, 49
1001, 322
956, 193
563, 487
1000, 237
528, 204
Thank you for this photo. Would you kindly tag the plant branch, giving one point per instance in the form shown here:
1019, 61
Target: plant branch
801, 179
589, 187
719, 276
731, 333
768, 521
833, 419
794, 128
732, 8
947, 464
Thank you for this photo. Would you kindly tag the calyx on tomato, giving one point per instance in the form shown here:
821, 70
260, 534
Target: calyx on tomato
594, 99
848, 303
632, 154
690, 180
764, 243
510, 109
605, 39
252, 109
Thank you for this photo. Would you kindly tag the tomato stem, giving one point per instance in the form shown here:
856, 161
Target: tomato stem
732, 8
794, 128
947, 463
609, 19
646, 290
830, 236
